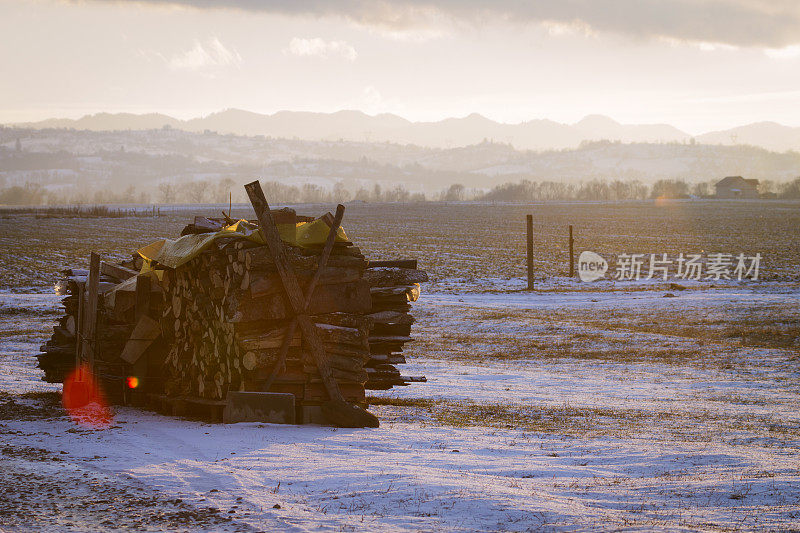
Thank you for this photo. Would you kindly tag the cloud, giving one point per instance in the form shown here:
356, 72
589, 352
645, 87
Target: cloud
788, 52
320, 48
749, 23
203, 57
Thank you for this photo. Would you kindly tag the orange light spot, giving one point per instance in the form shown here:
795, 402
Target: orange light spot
84, 401
133, 382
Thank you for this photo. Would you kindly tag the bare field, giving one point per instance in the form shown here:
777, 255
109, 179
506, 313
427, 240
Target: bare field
467, 244
483, 241
575, 407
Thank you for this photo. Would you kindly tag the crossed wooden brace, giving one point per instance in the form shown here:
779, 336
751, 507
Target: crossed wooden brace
349, 416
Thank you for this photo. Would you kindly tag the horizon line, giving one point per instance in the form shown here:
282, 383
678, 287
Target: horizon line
204, 115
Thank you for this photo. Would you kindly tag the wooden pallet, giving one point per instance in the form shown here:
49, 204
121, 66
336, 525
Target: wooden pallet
181, 406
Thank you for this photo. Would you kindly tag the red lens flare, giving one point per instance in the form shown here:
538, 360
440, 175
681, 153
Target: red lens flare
84, 400
132, 382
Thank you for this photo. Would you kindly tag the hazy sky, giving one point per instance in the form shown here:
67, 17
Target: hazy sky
697, 64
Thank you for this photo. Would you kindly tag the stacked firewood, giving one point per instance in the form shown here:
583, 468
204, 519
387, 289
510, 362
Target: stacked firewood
110, 335
58, 353
393, 286
226, 318
218, 322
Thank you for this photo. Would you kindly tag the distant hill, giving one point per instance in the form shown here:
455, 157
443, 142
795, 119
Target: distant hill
356, 126
599, 127
111, 122
116, 160
769, 135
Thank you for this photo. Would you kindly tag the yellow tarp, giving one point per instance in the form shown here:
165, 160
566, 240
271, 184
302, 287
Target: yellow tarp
172, 253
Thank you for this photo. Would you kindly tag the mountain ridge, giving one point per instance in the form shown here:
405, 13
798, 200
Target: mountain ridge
356, 125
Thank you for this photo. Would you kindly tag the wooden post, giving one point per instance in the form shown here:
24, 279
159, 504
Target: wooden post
90, 311
571, 254
530, 252
79, 330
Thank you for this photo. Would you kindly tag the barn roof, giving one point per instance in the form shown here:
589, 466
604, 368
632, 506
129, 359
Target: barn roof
736, 181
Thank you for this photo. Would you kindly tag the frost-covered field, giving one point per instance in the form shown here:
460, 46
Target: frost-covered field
572, 408
629, 428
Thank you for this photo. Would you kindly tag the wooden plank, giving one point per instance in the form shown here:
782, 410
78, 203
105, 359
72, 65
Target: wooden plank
393, 276
410, 292
259, 259
142, 296
116, 271
337, 409
323, 260
263, 284
393, 339
398, 263
326, 253
146, 331
263, 361
68, 323
297, 300
275, 338
341, 298
275, 245
90, 311
79, 326
391, 329
208, 224
391, 317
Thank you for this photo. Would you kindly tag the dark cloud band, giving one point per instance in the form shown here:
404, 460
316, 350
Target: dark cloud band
751, 23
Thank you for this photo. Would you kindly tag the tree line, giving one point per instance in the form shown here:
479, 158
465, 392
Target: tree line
227, 189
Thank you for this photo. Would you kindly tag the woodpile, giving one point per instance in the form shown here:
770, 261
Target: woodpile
226, 317
393, 286
110, 333
223, 322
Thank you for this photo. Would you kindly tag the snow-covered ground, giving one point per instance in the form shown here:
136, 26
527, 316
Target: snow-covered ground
509, 433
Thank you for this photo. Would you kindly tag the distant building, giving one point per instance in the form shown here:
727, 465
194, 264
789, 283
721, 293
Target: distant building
737, 187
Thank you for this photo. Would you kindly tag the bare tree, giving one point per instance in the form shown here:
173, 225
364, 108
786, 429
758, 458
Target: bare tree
455, 193
223, 191
167, 192
766, 187
340, 192
670, 189
196, 191
701, 189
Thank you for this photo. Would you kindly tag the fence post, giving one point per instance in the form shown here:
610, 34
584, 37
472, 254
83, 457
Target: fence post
571, 254
90, 312
530, 252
